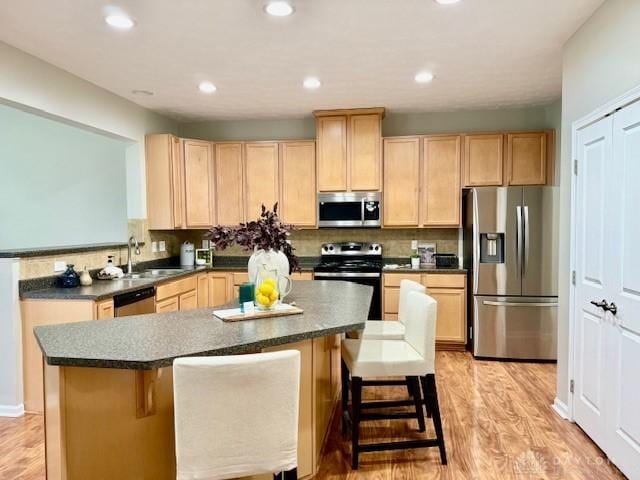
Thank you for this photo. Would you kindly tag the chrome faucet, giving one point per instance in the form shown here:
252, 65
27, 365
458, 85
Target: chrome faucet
132, 242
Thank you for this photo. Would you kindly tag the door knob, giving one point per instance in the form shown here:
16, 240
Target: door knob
602, 304
613, 308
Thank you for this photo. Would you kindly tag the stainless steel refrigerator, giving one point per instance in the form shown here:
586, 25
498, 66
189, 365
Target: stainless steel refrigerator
511, 254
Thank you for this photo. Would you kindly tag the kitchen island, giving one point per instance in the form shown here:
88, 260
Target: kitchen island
108, 384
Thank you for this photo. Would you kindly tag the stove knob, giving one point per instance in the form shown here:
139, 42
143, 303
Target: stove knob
331, 248
370, 247
377, 248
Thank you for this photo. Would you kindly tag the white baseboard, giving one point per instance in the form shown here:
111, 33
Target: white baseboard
560, 408
11, 410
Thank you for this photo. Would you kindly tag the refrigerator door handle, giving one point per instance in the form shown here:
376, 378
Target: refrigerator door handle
519, 238
525, 261
520, 304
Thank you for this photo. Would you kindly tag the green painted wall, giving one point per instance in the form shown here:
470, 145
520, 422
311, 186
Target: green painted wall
530, 118
59, 184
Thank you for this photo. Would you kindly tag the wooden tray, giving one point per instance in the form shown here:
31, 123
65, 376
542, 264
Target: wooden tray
261, 314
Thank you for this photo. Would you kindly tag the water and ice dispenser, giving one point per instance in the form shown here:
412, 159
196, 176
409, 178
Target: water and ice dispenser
492, 248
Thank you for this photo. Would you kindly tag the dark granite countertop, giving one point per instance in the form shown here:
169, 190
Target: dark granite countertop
103, 289
155, 340
42, 251
408, 269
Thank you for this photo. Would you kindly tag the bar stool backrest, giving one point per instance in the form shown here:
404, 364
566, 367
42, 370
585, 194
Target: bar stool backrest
407, 286
420, 329
236, 416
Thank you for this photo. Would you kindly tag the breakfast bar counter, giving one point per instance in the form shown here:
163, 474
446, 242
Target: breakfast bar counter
109, 391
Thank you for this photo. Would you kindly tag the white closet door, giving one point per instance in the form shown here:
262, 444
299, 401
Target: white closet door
624, 356
592, 276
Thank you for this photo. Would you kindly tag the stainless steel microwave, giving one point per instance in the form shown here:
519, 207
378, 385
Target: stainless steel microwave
350, 209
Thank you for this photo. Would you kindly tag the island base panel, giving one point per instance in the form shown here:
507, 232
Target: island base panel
99, 426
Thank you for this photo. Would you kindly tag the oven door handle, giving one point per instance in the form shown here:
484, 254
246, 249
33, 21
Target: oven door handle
317, 275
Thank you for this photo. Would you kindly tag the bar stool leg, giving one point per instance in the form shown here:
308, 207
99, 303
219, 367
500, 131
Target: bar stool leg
413, 383
288, 475
345, 395
356, 400
431, 397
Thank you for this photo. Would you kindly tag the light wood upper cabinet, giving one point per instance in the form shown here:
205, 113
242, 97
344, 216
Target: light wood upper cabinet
261, 177
526, 159
228, 184
349, 149
298, 183
364, 152
198, 183
165, 192
401, 182
483, 160
441, 181
332, 153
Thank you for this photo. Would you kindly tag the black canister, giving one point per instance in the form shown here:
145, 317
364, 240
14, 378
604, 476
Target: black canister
69, 279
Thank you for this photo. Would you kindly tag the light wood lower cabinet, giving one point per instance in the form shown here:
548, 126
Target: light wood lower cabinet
449, 290
189, 300
46, 312
104, 309
171, 304
220, 288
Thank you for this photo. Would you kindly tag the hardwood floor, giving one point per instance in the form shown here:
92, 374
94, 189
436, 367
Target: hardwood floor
22, 448
498, 425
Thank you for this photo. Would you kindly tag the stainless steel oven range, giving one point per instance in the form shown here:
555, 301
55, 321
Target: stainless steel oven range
354, 262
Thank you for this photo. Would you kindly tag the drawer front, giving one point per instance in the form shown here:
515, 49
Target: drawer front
390, 316
302, 276
168, 305
440, 280
391, 300
176, 288
240, 277
394, 279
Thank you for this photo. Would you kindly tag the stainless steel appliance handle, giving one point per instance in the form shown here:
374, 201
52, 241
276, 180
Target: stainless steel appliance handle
362, 211
476, 242
345, 275
519, 238
525, 262
520, 304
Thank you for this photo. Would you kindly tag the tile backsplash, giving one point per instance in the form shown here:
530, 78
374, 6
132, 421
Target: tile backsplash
307, 243
395, 242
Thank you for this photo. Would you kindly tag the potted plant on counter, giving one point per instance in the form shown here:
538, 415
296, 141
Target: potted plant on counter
267, 237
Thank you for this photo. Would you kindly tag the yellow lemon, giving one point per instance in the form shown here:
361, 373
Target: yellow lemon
263, 300
266, 289
271, 281
274, 295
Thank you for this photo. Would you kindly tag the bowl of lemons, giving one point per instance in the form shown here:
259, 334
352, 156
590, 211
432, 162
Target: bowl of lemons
267, 293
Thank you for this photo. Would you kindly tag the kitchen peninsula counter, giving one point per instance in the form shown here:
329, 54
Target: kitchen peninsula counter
109, 384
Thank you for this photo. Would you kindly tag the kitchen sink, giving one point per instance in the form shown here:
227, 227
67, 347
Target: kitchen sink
153, 273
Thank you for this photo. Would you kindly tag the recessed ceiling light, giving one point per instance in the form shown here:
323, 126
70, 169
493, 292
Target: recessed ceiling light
447, 2
207, 87
146, 93
119, 20
311, 83
424, 77
279, 8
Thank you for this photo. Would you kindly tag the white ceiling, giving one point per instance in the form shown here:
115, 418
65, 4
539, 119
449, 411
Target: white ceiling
484, 53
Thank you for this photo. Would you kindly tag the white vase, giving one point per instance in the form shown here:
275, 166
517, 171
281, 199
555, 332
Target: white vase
272, 260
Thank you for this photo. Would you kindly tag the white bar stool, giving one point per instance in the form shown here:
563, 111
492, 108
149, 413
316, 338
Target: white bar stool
412, 358
237, 416
391, 329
